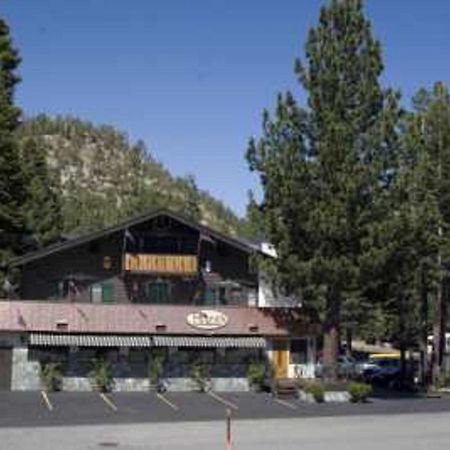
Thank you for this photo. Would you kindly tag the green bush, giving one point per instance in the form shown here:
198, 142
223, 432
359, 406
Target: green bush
317, 390
256, 373
155, 368
51, 376
199, 374
442, 380
359, 392
101, 375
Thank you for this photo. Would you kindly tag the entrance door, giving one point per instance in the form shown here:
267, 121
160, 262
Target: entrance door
280, 358
5, 369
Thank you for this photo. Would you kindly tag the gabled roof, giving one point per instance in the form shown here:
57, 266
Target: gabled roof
61, 246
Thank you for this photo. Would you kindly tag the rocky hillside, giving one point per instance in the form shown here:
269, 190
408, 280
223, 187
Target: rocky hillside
103, 178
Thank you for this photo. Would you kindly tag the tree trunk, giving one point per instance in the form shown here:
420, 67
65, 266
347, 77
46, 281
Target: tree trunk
402, 337
438, 332
331, 338
348, 340
423, 340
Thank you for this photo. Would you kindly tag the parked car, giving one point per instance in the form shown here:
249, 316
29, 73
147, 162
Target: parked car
375, 361
386, 372
346, 366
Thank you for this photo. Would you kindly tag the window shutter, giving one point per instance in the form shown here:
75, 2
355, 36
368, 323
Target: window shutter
107, 292
210, 296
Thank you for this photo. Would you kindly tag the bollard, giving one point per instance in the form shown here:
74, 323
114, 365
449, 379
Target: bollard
228, 431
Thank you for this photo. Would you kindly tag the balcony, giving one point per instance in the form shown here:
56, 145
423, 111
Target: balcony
160, 264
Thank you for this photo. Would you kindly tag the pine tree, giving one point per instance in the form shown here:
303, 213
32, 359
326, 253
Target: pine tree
191, 207
12, 179
433, 135
318, 195
43, 214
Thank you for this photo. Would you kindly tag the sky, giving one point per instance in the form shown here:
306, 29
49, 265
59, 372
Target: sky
191, 78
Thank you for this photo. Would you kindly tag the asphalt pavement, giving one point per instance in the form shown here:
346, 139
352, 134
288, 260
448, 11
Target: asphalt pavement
31, 409
369, 432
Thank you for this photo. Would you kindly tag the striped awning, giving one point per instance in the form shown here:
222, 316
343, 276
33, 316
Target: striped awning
209, 341
89, 340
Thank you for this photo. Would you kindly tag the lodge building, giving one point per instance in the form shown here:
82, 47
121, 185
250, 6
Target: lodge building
157, 282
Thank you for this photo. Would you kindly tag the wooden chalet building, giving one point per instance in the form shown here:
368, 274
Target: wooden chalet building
156, 283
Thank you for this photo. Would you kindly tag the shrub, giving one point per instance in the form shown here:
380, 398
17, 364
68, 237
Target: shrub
317, 390
256, 372
442, 380
199, 374
155, 368
101, 375
51, 376
359, 392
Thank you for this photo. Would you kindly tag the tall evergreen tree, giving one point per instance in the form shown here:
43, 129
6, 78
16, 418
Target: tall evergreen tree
43, 215
318, 194
433, 135
12, 179
192, 203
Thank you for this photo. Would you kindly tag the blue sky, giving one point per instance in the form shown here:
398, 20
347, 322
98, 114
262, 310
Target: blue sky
191, 77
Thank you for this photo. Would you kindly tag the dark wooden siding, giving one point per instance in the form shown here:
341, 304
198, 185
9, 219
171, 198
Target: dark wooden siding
85, 262
40, 277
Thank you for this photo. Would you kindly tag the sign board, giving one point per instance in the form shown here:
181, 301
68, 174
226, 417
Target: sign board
207, 319
170, 264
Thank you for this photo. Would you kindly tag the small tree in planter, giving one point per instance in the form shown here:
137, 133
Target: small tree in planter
100, 375
256, 373
359, 392
51, 376
198, 372
155, 370
317, 390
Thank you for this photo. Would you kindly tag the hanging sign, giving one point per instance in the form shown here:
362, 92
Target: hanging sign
207, 319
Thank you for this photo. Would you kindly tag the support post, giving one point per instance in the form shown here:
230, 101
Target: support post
228, 440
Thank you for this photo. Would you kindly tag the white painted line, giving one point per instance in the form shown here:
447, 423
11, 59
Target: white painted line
223, 400
167, 402
108, 401
285, 403
47, 401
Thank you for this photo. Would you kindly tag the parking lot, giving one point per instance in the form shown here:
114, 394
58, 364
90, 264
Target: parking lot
76, 408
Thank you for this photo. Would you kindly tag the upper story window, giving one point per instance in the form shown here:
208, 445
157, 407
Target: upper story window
157, 292
102, 292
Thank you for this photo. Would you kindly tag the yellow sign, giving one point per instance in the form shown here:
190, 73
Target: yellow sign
171, 264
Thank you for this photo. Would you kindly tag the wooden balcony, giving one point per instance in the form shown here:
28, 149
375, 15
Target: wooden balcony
163, 264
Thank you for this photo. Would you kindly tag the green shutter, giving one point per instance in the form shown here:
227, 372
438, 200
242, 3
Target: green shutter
107, 292
210, 296
158, 292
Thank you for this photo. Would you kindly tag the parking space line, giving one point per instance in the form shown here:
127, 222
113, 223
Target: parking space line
284, 403
108, 401
47, 401
167, 401
223, 400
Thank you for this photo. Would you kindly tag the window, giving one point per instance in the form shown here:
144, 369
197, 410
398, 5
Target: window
299, 351
158, 292
210, 296
57, 290
96, 293
102, 292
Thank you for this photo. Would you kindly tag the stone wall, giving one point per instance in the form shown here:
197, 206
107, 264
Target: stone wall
28, 380
25, 372
25, 377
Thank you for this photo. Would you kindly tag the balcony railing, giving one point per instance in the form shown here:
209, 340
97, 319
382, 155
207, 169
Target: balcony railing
167, 264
